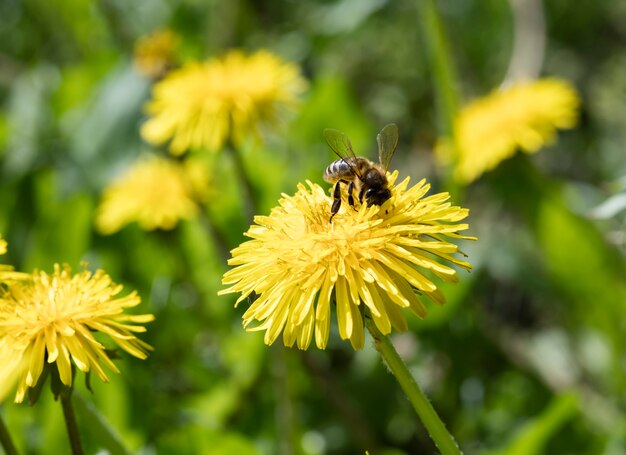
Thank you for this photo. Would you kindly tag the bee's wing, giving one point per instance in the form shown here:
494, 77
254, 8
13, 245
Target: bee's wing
341, 146
387, 142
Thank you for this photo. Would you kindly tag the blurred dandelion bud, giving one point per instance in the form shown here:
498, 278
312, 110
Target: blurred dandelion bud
524, 115
386, 258
205, 105
53, 323
156, 193
155, 54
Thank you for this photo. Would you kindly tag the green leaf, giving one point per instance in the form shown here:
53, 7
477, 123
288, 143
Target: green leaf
584, 268
196, 439
533, 437
100, 429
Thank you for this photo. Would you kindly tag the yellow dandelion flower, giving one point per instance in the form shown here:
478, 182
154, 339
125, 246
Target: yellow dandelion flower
3, 245
155, 192
202, 105
155, 54
55, 319
524, 115
299, 264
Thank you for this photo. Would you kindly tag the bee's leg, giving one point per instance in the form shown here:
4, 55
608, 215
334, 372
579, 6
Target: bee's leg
336, 200
361, 193
350, 194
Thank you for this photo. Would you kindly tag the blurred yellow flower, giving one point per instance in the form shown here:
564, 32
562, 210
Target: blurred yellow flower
203, 105
299, 264
3, 245
155, 53
524, 115
56, 319
155, 192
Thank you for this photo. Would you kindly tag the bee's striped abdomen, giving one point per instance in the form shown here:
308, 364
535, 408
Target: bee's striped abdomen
341, 170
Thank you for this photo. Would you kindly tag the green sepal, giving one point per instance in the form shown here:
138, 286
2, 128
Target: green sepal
57, 386
33, 393
88, 382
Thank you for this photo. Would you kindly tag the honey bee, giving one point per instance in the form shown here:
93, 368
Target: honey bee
367, 178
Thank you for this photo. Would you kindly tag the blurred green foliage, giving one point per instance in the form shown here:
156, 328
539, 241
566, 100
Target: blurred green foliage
526, 358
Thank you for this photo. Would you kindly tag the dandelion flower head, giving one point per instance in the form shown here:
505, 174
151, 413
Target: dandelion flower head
56, 319
524, 115
384, 258
155, 53
202, 105
155, 192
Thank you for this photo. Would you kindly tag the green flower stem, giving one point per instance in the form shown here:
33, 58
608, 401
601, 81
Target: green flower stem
444, 77
444, 82
70, 421
218, 239
285, 416
442, 438
5, 439
249, 199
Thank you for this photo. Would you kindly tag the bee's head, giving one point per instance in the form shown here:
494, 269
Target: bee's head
377, 195
376, 191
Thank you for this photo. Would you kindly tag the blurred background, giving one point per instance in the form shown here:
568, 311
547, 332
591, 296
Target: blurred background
527, 357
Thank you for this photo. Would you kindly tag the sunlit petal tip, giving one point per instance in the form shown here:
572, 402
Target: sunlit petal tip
141, 318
